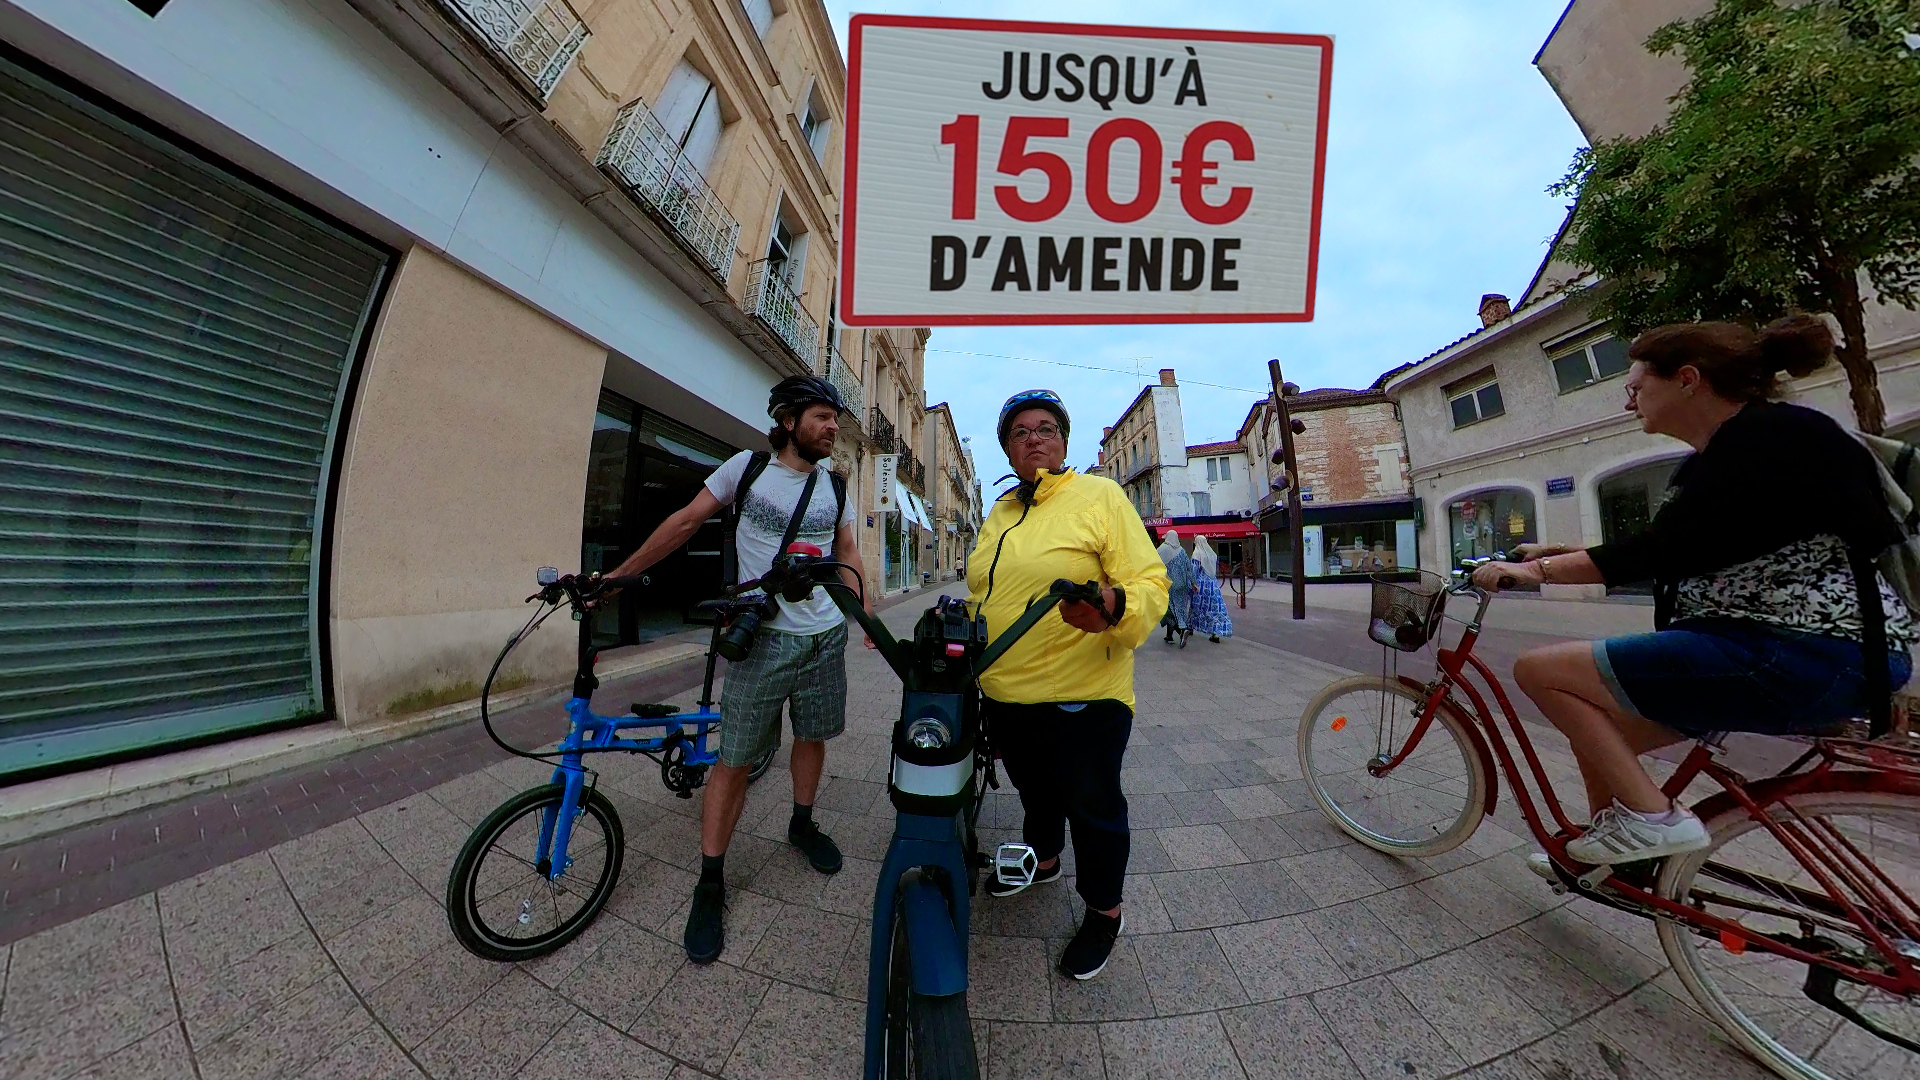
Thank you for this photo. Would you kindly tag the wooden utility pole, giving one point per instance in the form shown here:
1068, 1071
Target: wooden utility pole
1285, 459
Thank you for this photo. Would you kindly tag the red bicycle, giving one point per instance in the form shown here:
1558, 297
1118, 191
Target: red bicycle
1796, 930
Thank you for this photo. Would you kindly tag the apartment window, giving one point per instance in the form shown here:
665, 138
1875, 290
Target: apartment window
786, 249
1219, 468
816, 124
689, 108
1588, 362
760, 14
1202, 503
1476, 403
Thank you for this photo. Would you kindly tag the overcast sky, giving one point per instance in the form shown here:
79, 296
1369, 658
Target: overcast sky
1441, 143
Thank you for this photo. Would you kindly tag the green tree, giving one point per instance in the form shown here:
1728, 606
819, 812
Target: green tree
1786, 173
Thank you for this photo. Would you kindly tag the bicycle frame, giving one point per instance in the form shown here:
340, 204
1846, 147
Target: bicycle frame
1826, 854
590, 733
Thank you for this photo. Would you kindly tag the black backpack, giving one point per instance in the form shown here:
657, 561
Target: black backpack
757, 464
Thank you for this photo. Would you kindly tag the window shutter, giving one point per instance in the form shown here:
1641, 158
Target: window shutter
173, 343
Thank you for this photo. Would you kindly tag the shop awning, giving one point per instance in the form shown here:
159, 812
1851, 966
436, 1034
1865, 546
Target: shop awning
912, 509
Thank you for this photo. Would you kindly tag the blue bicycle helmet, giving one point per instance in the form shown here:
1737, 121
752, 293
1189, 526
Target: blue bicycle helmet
1032, 399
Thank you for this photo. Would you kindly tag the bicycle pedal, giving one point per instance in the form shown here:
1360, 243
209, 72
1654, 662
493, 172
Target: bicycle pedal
1592, 879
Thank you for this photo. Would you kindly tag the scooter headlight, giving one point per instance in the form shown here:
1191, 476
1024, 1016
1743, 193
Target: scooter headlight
929, 733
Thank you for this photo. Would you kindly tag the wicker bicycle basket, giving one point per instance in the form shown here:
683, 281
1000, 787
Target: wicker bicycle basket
1406, 610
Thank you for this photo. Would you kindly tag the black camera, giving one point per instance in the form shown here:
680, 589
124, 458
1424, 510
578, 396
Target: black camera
736, 641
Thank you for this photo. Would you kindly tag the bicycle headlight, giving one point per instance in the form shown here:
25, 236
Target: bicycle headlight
929, 733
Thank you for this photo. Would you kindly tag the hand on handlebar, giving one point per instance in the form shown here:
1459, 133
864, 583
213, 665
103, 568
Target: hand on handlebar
1082, 615
1494, 576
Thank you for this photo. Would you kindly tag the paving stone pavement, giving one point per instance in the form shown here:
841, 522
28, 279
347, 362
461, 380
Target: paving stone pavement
1260, 942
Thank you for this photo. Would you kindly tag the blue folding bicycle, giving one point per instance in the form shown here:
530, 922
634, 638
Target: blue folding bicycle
538, 869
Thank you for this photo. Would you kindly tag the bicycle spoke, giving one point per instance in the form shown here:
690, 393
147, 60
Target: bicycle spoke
1751, 879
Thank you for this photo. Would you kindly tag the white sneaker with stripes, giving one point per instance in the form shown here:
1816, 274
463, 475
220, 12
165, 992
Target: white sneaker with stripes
1620, 835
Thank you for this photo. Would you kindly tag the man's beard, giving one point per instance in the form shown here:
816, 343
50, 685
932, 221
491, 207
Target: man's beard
810, 452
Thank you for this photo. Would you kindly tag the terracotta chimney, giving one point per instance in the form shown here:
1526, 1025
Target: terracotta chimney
1166, 377
1493, 308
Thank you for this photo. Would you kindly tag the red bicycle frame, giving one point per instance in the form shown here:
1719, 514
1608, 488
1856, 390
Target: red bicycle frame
1853, 887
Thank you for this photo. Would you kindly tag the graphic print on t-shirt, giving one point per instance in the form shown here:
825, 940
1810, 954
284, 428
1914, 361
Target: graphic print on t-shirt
763, 521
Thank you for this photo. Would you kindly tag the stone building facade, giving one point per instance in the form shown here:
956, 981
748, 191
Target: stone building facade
526, 282
1357, 513
1145, 451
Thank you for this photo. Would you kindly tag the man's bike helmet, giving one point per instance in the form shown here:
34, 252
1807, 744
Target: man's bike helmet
1032, 399
796, 392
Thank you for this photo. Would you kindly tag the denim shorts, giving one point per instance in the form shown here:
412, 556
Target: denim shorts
1702, 676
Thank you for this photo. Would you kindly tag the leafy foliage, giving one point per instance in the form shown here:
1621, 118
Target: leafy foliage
1786, 169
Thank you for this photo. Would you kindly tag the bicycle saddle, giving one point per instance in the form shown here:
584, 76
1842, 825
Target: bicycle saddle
653, 711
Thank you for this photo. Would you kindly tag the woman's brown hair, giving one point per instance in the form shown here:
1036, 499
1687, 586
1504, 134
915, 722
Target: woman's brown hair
1738, 364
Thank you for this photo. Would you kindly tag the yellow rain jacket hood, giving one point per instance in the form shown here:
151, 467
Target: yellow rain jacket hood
1081, 528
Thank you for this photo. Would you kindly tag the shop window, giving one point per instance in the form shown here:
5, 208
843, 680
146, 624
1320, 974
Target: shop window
1359, 547
1589, 362
1491, 521
1627, 503
1474, 405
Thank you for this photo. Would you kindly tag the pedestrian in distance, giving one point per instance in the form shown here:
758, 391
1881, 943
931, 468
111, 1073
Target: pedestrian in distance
1059, 705
798, 658
1766, 620
1209, 603
1180, 585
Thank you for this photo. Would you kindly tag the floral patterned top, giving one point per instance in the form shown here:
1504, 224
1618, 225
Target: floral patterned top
1806, 586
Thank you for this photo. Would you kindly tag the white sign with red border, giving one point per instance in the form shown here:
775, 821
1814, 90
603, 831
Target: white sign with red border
1013, 172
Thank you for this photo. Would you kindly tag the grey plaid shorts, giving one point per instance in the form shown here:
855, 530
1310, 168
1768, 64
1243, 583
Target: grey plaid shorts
809, 670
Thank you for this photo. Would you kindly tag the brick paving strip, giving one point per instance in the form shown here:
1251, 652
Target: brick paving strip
1260, 942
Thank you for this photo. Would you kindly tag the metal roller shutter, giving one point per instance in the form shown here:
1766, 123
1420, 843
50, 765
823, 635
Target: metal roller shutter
173, 344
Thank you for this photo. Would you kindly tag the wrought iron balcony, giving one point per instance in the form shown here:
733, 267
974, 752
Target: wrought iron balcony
539, 38
880, 430
772, 300
844, 379
646, 160
920, 475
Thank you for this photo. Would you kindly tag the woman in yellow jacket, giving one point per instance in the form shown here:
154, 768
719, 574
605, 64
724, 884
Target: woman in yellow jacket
1060, 703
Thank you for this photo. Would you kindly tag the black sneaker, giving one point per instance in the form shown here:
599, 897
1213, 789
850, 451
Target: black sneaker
819, 848
705, 935
1087, 953
995, 887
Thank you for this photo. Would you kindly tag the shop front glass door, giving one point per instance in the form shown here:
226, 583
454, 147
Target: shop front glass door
1491, 522
642, 467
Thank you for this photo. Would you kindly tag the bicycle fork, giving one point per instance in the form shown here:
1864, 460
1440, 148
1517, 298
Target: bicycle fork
556, 823
936, 909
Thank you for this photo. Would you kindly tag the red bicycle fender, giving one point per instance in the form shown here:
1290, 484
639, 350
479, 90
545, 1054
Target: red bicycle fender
1480, 748
1766, 792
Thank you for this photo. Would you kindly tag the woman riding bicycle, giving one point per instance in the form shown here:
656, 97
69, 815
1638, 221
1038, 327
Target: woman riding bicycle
1059, 704
1756, 552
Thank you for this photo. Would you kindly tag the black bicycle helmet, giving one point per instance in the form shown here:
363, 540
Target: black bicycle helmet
1032, 399
796, 392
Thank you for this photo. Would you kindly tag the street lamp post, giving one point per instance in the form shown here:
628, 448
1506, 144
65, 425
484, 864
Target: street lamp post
1283, 457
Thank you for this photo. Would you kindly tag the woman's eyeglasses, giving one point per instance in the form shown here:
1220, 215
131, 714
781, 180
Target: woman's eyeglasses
1043, 433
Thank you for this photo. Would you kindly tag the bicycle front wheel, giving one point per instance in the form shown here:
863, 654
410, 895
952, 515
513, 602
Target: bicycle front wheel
501, 901
1747, 876
928, 1038
1430, 803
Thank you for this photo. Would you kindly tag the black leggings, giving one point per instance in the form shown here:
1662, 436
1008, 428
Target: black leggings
1065, 761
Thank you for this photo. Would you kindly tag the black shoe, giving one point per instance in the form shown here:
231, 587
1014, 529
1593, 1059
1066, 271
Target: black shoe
1087, 953
1049, 873
818, 847
1215, 638
705, 935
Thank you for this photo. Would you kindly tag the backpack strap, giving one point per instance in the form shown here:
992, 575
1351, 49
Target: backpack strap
730, 519
1874, 661
839, 498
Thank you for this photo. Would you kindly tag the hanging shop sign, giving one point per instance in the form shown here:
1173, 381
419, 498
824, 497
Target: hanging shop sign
885, 487
1015, 173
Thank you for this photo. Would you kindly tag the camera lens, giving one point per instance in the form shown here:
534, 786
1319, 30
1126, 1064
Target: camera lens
736, 641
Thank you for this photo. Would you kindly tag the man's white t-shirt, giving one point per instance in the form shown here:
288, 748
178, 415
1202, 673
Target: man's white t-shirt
763, 521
